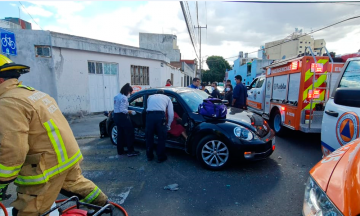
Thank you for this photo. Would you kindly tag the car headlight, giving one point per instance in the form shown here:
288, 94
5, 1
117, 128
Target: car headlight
316, 202
243, 133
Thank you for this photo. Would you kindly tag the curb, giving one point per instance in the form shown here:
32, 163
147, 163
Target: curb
86, 137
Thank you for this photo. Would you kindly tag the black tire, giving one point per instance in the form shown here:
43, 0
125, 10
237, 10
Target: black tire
112, 135
217, 161
275, 123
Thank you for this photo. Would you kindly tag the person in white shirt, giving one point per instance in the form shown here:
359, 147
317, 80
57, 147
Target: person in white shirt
122, 120
157, 107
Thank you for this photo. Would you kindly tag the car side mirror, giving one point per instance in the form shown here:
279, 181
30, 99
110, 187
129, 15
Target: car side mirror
347, 97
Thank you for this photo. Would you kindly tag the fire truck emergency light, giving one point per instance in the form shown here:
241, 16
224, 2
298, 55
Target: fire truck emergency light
316, 94
316, 67
294, 65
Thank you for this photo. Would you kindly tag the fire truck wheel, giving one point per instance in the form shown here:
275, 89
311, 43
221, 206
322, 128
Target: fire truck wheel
276, 123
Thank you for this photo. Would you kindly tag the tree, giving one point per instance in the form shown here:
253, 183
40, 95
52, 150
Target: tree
217, 67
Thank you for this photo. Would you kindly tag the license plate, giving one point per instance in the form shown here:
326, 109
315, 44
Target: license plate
273, 141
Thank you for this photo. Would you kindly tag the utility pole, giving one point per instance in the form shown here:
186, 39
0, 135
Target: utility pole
200, 27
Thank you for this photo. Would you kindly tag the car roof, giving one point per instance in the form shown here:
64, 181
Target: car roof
168, 89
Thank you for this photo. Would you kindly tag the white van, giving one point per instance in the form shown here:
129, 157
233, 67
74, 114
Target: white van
340, 123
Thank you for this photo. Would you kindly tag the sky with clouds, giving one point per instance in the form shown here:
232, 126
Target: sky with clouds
232, 27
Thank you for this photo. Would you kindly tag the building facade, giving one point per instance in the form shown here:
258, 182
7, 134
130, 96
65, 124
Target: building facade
293, 45
22, 23
247, 68
165, 43
84, 75
10, 25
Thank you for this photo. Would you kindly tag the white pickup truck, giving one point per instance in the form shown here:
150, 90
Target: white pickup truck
340, 123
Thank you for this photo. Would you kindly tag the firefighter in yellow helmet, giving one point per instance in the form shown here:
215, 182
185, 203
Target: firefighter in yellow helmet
37, 147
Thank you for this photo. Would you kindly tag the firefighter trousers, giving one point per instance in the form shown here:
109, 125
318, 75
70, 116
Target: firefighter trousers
37, 199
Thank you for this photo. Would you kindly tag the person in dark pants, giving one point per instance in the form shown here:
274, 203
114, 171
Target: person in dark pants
123, 122
215, 92
229, 94
239, 94
157, 105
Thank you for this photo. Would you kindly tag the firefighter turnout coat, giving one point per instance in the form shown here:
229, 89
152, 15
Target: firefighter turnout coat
37, 147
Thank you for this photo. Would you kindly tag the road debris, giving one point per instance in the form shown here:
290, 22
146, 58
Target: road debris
279, 157
172, 187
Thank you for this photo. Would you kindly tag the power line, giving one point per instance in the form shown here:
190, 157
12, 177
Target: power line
30, 15
191, 24
351, 18
187, 25
291, 2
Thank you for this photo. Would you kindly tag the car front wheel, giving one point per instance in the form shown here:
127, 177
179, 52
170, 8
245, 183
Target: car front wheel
113, 133
213, 153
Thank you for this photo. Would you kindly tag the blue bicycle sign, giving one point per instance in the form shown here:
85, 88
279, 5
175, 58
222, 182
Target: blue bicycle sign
8, 44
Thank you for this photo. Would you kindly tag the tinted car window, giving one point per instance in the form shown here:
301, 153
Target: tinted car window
194, 98
351, 77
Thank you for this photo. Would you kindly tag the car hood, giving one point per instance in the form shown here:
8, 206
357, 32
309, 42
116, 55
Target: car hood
248, 119
338, 174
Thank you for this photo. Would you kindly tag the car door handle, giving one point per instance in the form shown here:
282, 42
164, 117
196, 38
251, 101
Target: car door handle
251, 92
258, 92
332, 113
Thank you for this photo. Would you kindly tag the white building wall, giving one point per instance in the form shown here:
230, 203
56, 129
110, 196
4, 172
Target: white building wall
71, 68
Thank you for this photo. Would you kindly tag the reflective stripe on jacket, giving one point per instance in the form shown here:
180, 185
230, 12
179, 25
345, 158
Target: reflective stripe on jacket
36, 141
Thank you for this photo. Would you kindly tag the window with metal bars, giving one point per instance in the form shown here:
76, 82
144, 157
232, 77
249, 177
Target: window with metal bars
139, 75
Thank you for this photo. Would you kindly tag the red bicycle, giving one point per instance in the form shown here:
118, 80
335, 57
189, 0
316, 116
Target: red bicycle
74, 207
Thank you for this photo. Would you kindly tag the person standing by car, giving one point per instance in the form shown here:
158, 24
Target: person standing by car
203, 88
168, 82
228, 82
195, 83
157, 105
215, 92
239, 94
229, 94
122, 120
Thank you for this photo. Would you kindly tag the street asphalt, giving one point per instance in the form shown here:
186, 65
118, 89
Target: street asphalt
274, 186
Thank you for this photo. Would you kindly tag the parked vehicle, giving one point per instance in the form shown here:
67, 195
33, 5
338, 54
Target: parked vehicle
213, 141
333, 187
293, 92
340, 123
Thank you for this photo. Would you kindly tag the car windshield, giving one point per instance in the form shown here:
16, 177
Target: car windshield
351, 77
194, 98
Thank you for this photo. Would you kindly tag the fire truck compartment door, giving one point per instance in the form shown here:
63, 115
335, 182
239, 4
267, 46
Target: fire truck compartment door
279, 87
294, 87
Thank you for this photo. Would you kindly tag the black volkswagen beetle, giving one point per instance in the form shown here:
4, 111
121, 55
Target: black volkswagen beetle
213, 141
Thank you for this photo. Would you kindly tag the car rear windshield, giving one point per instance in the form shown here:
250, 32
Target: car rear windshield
194, 98
351, 77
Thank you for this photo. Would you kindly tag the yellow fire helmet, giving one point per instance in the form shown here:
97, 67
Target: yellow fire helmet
9, 69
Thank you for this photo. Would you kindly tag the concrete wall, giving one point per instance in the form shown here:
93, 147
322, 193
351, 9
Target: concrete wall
10, 25
87, 44
71, 68
188, 70
41, 76
164, 43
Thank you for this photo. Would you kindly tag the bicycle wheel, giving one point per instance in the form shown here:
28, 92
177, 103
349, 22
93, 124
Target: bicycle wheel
68, 208
4, 42
12, 44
